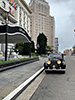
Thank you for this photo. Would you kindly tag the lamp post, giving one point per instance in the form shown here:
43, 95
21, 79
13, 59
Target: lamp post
6, 36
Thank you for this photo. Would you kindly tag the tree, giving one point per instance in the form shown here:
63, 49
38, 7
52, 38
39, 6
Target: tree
41, 44
23, 48
32, 46
49, 49
19, 48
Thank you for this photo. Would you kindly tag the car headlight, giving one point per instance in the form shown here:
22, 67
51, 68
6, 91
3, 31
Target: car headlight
59, 62
49, 62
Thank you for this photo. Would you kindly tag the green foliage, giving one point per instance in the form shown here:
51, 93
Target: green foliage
32, 47
3, 63
23, 48
49, 49
27, 49
41, 44
19, 48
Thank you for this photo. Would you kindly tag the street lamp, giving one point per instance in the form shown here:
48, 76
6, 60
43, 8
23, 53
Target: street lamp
6, 36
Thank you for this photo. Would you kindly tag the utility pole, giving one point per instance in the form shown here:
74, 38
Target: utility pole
6, 36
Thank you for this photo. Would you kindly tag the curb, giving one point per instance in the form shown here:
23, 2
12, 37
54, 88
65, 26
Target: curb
14, 94
17, 65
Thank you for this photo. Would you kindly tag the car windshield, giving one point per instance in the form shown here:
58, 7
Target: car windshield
54, 56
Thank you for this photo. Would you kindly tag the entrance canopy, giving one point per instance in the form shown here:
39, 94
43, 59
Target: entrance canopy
15, 34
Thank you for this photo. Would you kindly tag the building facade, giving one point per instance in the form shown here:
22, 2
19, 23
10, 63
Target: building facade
42, 22
18, 14
68, 52
7, 10
56, 44
23, 15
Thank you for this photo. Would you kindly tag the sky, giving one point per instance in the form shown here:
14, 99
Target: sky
64, 14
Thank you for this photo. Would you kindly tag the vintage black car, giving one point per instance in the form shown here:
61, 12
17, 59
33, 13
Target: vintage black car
55, 62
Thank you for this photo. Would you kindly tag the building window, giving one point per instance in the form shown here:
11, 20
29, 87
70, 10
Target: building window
20, 19
3, 4
51, 27
24, 20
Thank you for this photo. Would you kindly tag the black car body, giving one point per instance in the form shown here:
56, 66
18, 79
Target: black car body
55, 62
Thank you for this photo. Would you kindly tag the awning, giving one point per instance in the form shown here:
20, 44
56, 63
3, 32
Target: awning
15, 34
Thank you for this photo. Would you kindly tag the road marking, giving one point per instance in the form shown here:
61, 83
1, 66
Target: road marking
31, 89
14, 94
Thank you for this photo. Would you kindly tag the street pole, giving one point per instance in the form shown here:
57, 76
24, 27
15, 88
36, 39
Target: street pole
6, 37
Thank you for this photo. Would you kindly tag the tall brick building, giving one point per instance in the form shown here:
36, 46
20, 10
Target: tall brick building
42, 21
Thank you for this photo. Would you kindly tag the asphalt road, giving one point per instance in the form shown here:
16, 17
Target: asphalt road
58, 86
11, 79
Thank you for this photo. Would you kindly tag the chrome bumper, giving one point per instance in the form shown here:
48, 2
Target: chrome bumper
55, 69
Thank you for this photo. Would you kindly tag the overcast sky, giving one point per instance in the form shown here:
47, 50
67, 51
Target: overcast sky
64, 13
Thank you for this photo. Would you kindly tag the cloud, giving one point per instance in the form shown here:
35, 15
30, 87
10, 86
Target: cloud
64, 13
59, 1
